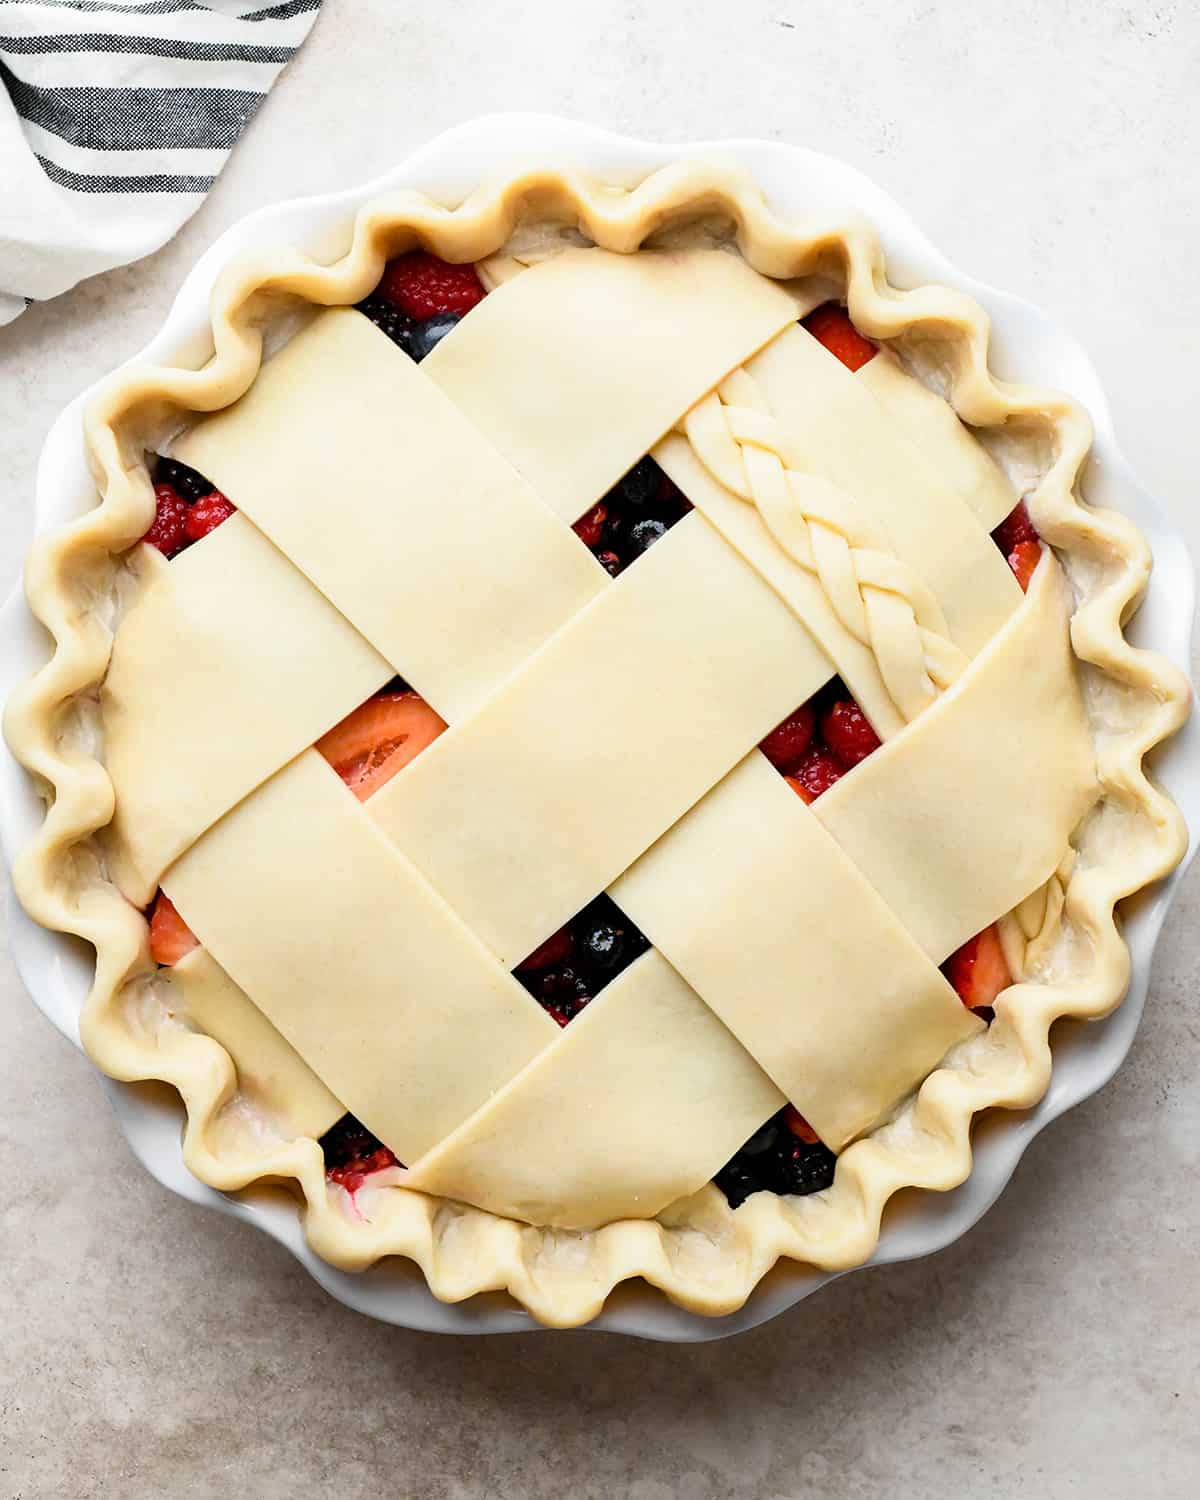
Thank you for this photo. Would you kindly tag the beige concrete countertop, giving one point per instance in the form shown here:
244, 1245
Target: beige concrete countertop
151, 1349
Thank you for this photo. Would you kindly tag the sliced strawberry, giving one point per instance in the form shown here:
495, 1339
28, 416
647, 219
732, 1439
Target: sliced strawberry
421, 285
590, 526
167, 531
799, 1126
815, 774
1015, 529
978, 970
847, 732
207, 514
378, 739
784, 747
170, 936
1023, 559
830, 325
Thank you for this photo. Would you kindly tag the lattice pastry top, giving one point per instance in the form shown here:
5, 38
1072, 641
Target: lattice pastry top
595, 748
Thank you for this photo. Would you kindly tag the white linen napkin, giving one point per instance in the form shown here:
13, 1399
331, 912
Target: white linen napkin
115, 118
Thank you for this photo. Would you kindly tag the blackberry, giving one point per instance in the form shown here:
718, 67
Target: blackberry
563, 991
388, 319
186, 483
423, 338
809, 1169
779, 1161
737, 1182
348, 1141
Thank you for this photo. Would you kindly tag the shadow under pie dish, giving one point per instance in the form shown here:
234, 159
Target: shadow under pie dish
587, 720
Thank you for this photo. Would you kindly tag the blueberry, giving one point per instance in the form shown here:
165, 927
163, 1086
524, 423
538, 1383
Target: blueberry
186, 483
388, 319
424, 337
643, 535
737, 1182
639, 488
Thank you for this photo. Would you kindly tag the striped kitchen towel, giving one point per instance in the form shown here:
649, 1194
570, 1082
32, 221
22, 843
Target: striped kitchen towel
115, 118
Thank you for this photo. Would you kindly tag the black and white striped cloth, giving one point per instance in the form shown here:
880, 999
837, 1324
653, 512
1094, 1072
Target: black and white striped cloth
115, 118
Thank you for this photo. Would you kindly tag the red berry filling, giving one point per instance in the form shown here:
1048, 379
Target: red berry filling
573, 965
379, 739
847, 732
786, 744
186, 507
170, 936
420, 299
1017, 538
979, 971
830, 325
820, 741
422, 286
352, 1153
640, 509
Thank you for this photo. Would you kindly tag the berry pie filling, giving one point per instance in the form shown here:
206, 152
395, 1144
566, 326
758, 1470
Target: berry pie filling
418, 301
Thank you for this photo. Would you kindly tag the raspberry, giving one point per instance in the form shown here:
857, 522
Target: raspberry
421, 285
352, 1153
590, 526
830, 325
784, 747
848, 733
167, 531
815, 774
206, 515
555, 950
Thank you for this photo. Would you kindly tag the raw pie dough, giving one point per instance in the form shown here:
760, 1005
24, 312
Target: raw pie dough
357, 956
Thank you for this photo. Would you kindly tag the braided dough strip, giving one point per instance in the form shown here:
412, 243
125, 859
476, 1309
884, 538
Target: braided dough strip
701, 1254
876, 596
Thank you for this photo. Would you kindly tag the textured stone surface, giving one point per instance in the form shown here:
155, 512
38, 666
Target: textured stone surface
150, 1349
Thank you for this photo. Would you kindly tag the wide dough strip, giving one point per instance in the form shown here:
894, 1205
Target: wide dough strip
933, 426
833, 426
575, 368
744, 529
770, 923
269, 1069
639, 1102
524, 812
373, 980
380, 491
228, 622
312, 444
1003, 761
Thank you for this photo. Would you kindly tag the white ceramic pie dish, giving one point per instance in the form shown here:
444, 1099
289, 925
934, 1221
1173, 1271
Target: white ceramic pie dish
1025, 346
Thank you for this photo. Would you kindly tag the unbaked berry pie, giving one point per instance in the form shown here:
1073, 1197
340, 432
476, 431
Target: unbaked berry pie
616, 740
